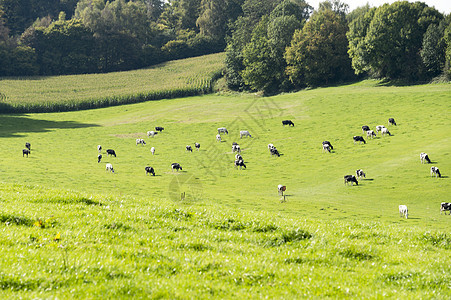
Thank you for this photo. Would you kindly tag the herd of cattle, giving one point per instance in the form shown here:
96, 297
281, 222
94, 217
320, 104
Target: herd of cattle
239, 161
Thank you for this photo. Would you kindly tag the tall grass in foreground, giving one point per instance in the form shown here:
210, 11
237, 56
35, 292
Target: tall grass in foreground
89, 246
175, 79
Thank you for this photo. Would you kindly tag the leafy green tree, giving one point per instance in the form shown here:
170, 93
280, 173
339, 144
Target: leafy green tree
318, 53
433, 49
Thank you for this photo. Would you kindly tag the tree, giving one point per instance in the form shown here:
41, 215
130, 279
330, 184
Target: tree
318, 52
433, 49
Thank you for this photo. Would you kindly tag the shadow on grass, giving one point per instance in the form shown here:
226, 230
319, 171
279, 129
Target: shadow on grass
19, 125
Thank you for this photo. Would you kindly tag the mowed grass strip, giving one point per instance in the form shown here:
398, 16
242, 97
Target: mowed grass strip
186, 77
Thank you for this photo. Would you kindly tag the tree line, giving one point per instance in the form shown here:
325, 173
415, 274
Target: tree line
271, 45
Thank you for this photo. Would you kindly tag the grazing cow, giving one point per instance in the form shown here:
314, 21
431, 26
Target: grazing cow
370, 134
176, 166
218, 137
326, 147
244, 133
281, 188
25, 152
287, 122
222, 130
110, 152
109, 167
236, 148
330, 145
151, 133
238, 157
379, 127
140, 141
28, 146
444, 207
189, 148
99, 158
359, 139
391, 121
99, 148
435, 171
270, 146
385, 131
240, 163
350, 179
274, 151
197, 145
359, 174
152, 150
149, 170
403, 212
158, 128
365, 128
424, 157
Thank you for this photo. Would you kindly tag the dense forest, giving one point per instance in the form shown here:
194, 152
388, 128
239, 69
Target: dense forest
270, 45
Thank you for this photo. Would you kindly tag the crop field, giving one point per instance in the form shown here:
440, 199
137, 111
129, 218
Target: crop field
179, 78
70, 228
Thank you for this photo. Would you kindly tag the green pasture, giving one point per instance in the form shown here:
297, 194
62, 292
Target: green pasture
131, 235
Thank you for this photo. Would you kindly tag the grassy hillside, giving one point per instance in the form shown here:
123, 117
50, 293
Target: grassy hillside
128, 234
186, 77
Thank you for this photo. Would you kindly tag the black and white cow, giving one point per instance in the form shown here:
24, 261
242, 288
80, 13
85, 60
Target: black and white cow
326, 147
158, 128
28, 146
222, 130
403, 211
244, 133
25, 152
359, 173
435, 171
240, 163
189, 148
330, 145
365, 128
444, 207
140, 141
99, 148
218, 137
385, 131
109, 167
110, 152
99, 158
176, 166
236, 148
379, 128
149, 170
151, 133
197, 145
358, 138
281, 188
370, 134
274, 151
391, 121
287, 122
424, 157
238, 157
350, 179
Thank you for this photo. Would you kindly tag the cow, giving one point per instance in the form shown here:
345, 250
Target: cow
403, 212
385, 131
140, 141
244, 133
28, 146
240, 163
197, 145
189, 148
236, 148
326, 147
222, 130
151, 133
218, 137
424, 157
435, 171
238, 157
370, 134
158, 128
176, 166
152, 150
99, 148
274, 151
25, 152
330, 145
149, 170
359, 174
281, 188
99, 158
358, 138
391, 121
365, 128
110, 152
444, 207
350, 179
109, 167
287, 122
379, 127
